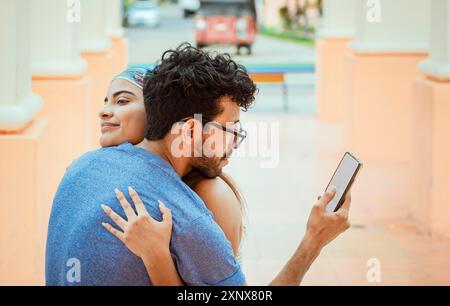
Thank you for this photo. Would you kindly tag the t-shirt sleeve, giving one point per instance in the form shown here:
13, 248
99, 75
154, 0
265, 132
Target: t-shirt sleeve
204, 255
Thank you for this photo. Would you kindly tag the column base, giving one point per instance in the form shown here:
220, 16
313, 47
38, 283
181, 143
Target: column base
431, 148
25, 206
380, 97
13, 118
331, 106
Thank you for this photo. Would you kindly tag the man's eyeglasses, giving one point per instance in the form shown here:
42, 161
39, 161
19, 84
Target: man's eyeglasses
239, 135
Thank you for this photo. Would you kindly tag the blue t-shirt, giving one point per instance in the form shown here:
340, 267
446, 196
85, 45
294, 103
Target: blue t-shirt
81, 252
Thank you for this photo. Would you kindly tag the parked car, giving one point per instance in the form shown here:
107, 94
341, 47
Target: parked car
231, 22
189, 7
143, 12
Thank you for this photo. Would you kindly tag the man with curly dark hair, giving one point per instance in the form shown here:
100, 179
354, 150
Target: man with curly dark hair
190, 83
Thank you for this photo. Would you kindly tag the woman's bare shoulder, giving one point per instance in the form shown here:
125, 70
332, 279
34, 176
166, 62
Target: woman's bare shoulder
218, 196
225, 206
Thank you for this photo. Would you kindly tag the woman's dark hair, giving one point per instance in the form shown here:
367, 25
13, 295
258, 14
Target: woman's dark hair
189, 81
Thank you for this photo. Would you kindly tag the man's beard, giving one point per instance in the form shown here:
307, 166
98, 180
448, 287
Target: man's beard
208, 166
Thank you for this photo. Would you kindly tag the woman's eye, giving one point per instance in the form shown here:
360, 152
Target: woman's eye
122, 101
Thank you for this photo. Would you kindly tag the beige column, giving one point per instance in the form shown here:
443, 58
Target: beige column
97, 50
23, 153
59, 77
114, 18
60, 74
18, 104
93, 26
117, 33
431, 128
54, 40
332, 45
391, 39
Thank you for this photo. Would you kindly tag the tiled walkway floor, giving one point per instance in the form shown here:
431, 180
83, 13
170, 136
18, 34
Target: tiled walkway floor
279, 202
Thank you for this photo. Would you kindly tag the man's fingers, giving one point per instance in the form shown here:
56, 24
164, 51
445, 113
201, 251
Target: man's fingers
327, 197
166, 212
114, 231
115, 217
347, 202
345, 208
140, 207
129, 211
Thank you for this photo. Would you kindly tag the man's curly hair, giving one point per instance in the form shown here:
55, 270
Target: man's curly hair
190, 81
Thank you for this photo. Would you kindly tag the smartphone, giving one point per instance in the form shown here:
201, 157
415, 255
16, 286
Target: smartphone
343, 179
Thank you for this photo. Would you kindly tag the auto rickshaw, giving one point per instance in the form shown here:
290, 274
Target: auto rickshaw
230, 22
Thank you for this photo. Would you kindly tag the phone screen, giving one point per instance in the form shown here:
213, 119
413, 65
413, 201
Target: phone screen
342, 179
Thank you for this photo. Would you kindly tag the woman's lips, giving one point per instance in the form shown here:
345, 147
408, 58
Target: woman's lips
108, 126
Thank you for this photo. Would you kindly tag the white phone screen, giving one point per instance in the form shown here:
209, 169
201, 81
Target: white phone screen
341, 179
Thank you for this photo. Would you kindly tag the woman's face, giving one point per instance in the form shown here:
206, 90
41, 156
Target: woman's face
122, 117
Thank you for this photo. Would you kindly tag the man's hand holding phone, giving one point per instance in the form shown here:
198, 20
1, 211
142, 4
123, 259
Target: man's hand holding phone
323, 227
328, 219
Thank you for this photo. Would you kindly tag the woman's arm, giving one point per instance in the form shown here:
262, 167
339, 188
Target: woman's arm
161, 269
146, 238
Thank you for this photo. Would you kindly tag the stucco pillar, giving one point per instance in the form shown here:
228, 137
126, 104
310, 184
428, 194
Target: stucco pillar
23, 153
431, 128
391, 38
332, 45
